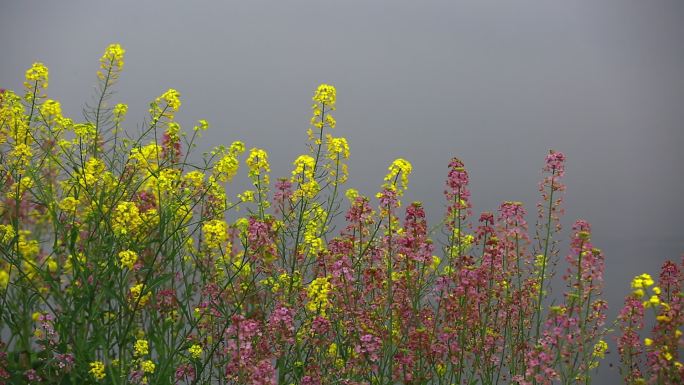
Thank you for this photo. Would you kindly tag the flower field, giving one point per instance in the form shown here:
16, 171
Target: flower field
123, 261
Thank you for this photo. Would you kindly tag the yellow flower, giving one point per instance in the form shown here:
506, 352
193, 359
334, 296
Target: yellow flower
399, 166
141, 347
128, 258
257, 161
303, 174
351, 194
126, 218
111, 62
642, 281
227, 167
195, 351
37, 76
148, 366
648, 342
600, 349
318, 292
165, 105
4, 279
215, 233
120, 110
68, 204
203, 125
97, 369
326, 94
136, 295
172, 99
435, 262
19, 188
338, 149
6, 233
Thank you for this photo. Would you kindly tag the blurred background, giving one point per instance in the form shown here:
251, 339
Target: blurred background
496, 83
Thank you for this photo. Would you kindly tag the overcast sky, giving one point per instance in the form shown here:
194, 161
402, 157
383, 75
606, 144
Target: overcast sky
496, 83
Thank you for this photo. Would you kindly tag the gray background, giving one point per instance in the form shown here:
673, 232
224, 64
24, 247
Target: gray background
496, 83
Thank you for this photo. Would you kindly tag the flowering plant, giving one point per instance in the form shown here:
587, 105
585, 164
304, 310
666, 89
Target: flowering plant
124, 262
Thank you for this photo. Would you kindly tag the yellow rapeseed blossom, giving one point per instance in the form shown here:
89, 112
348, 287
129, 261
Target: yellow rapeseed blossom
324, 102
36, 76
227, 167
111, 62
642, 281
18, 189
257, 161
141, 347
314, 227
351, 194
338, 150
215, 233
303, 175
399, 166
165, 105
195, 351
600, 349
136, 292
6, 233
194, 179
148, 366
120, 110
653, 301
326, 94
126, 219
435, 263
4, 279
203, 125
318, 292
97, 370
68, 204
85, 132
127, 259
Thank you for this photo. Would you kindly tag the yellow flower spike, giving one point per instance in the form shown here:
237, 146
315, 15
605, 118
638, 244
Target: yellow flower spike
36, 76
127, 259
97, 370
126, 219
351, 194
141, 347
6, 233
227, 167
136, 296
112, 61
257, 161
4, 279
195, 351
120, 110
435, 263
148, 366
165, 105
326, 95
318, 292
399, 166
215, 233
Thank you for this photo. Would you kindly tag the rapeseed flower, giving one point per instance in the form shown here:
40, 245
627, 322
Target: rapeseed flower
128, 258
97, 370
